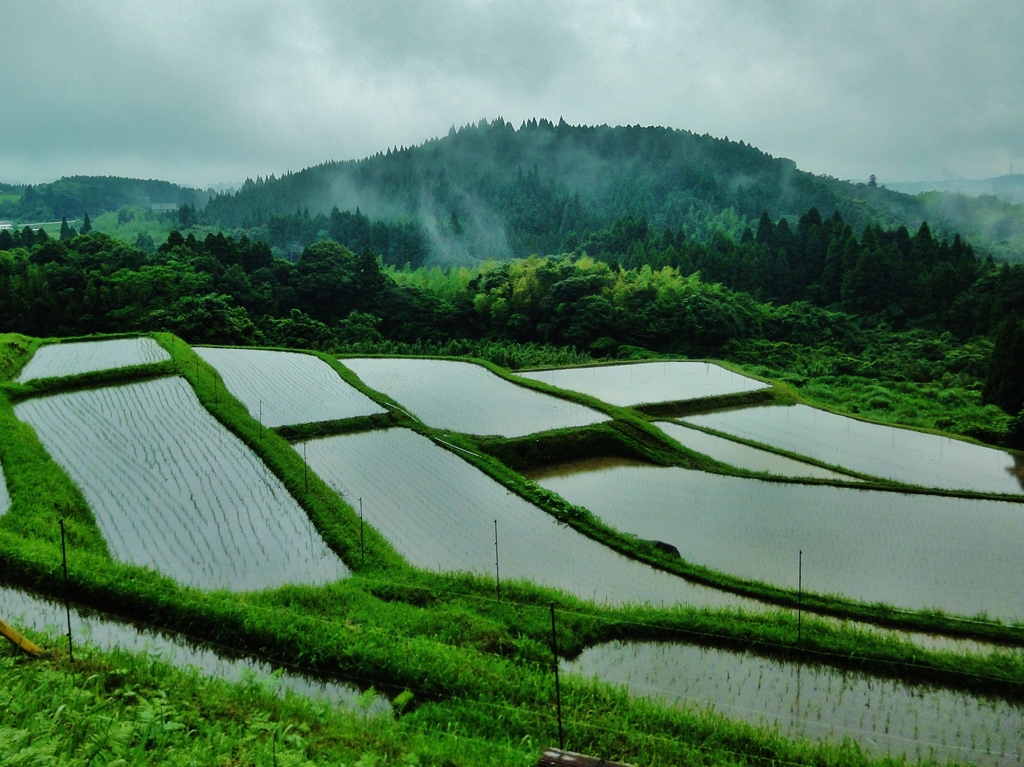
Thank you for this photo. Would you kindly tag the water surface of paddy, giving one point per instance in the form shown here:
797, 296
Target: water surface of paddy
468, 398
883, 717
648, 382
904, 455
439, 511
284, 388
743, 456
172, 489
79, 357
913, 551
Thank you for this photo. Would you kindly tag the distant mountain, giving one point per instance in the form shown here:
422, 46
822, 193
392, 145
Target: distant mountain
1008, 188
74, 196
491, 190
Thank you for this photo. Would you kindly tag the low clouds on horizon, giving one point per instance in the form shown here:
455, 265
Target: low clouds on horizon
200, 93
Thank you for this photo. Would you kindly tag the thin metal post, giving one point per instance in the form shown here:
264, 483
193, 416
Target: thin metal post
558, 688
362, 542
261, 419
305, 472
497, 571
67, 604
799, 594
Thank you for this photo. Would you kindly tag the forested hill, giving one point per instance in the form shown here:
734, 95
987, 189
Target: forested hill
493, 191
75, 196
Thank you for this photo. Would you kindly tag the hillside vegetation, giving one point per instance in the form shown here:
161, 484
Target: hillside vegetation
492, 191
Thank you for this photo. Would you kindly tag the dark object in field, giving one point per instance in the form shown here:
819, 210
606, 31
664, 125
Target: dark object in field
666, 548
554, 757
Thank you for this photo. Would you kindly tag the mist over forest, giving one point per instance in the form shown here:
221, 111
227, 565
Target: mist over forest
493, 191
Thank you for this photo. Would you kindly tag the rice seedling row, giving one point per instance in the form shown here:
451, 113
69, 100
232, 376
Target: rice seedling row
912, 551
439, 513
28, 611
804, 701
468, 398
56, 360
286, 388
173, 490
904, 455
648, 382
745, 457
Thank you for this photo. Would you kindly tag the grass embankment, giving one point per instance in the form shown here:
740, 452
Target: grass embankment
472, 662
116, 707
123, 708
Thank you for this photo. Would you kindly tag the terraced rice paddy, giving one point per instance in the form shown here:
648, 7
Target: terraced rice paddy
173, 490
439, 512
648, 382
743, 456
818, 703
285, 388
913, 551
28, 611
883, 451
57, 360
468, 398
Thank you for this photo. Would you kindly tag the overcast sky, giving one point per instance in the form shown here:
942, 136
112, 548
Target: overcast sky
206, 92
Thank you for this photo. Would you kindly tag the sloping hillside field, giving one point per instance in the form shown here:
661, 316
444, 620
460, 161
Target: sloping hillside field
173, 490
70, 359
649, 382
439, 512
871, 448
287, 387
743, 456
806, 701
916, 551
468, 398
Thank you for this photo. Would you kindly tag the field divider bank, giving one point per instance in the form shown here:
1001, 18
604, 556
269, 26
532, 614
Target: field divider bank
333, 518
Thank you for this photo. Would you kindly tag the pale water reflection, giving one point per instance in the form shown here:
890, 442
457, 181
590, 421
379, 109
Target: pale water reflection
821, 704
903, 455
913, 551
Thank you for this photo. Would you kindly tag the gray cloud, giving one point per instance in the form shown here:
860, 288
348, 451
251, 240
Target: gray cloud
200, 92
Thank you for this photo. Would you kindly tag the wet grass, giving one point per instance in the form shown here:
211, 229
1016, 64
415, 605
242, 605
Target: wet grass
477, 667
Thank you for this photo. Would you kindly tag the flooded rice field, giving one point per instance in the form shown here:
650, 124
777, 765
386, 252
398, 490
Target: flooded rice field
883, 451
172, 489
285, 388
743, 456
913, 551
641, 383
32, 612
90, 356
468, 398
818, 703
439, 513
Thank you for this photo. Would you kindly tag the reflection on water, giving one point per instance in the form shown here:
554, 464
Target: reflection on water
884, 717
914, 551
903, 455
440, 513
28, 611
582, 466
746, 457
648, 382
